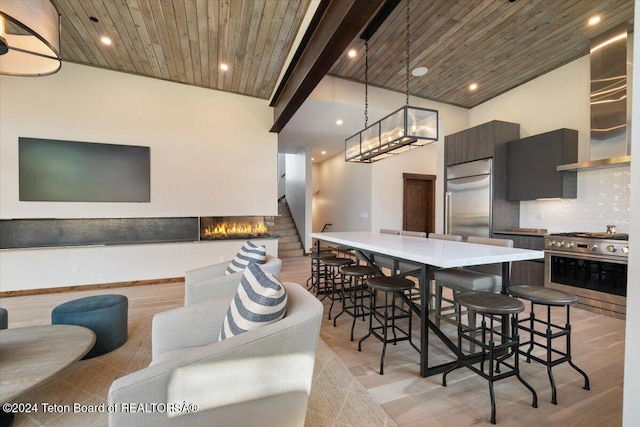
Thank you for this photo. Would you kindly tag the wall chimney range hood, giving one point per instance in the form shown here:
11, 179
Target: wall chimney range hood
609, 105
596, 164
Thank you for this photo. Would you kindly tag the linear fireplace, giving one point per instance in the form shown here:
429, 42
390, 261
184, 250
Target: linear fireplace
38, 233
236, 227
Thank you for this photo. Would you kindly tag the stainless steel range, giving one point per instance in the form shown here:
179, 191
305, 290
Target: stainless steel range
592, 266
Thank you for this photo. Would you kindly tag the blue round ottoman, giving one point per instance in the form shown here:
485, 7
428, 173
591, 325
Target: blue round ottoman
4, 318
105, 315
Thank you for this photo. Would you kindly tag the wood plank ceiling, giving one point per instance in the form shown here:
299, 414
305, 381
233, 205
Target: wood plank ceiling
500, 44
186, 41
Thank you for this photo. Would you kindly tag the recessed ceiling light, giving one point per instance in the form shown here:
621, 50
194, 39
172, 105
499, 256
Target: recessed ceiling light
312, 159
106, 40
594, 20
473, 86
420, 71
224, 67
339, 122
352, 53
324, 152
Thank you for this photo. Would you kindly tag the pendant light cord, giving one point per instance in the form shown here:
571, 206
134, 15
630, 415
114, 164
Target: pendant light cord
408, 54
366, 83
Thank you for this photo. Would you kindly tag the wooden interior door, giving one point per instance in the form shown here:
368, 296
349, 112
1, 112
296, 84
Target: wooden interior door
419, 202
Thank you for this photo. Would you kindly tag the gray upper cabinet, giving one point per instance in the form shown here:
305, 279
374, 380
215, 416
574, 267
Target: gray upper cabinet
531, 166
479, 142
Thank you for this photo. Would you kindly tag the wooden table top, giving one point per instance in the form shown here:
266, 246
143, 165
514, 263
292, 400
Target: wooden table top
30, 356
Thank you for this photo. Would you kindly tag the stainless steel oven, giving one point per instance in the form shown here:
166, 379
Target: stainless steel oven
592, 266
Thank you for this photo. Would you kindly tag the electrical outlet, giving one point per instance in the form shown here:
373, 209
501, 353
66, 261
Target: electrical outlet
540, 216
75, 268
221, 259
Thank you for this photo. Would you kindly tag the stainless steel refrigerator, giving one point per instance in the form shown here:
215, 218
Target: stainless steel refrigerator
468, 199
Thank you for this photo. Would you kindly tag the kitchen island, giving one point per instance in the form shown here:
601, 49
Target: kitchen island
428, 253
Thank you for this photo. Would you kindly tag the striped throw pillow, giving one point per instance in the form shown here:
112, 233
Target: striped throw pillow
260, 299
249, 252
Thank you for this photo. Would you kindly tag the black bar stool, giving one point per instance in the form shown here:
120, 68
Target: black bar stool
343, 251
388, 313
334, 279
491, 307
317, 281
355, 292
549, 298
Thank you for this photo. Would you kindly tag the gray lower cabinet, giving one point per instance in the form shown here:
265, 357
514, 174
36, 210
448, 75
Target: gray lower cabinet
532, 162
525, 272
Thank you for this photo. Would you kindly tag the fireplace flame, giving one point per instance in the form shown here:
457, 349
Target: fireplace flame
224, 230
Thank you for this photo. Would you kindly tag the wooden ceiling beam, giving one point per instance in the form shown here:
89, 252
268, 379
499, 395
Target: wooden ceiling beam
335, 26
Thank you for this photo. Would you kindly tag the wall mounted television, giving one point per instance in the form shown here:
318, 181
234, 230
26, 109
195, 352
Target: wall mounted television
70, 171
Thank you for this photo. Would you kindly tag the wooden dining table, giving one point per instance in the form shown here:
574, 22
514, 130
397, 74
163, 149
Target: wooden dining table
428, 253
31, 355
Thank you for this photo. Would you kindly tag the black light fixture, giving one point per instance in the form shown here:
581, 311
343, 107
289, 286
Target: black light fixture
406, 128
29, 38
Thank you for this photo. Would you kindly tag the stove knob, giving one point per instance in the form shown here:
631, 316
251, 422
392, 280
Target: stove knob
625, 249
551, 243
558, 244
568, 245
592, 247
611, 248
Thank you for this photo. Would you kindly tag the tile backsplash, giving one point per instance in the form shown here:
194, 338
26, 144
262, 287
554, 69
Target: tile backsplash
603, 198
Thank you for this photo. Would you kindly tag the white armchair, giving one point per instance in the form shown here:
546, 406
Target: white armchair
200, 284
259, 378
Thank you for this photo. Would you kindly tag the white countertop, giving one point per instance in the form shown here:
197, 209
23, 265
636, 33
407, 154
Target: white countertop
439, 253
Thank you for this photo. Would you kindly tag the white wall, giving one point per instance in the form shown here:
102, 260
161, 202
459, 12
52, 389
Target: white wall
282, 180
316, 226
298, 173
50, 268
211, 154
630, 407
344, 196
315, 182
560, 99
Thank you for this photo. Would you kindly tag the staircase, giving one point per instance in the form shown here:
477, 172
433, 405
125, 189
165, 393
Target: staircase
289, 244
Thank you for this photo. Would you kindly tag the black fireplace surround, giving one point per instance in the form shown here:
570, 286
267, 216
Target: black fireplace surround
34, 233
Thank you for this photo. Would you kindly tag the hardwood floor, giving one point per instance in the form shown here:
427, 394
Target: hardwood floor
598, 348
87, 382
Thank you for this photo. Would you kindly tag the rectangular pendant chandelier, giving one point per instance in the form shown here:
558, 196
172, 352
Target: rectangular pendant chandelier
406, 128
